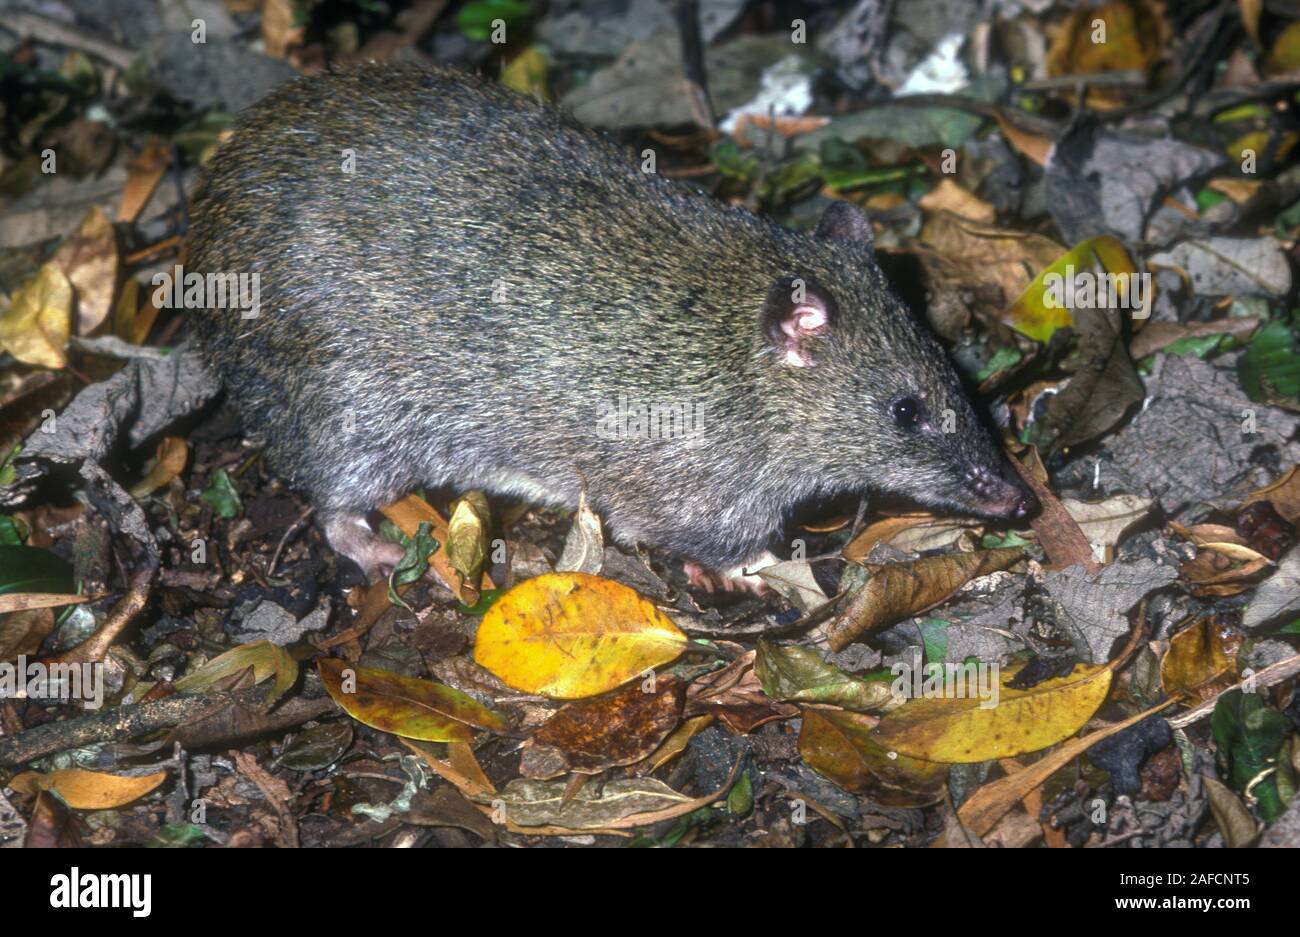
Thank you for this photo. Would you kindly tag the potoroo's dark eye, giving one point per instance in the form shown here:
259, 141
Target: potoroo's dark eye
906, 412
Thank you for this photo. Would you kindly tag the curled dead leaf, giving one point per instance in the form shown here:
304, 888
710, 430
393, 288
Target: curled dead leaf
898, 590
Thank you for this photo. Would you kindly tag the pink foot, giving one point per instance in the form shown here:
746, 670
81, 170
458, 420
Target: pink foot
738, 579
350, 535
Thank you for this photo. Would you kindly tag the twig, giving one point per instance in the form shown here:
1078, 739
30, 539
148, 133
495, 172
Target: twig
1274, 673
275, 791
112, 725
42, 30
275, 557
94, 648
697, 80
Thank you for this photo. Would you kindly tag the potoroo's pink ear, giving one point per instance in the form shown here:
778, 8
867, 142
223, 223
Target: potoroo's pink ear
797, 317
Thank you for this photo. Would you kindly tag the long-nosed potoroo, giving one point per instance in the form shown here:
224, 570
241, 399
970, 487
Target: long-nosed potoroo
459, 286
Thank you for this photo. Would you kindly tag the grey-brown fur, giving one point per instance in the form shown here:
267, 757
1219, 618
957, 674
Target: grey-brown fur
377, 300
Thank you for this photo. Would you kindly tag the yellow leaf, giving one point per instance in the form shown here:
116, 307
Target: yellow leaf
467, 535
990, 803
526, 73
35, 327
570, 635
960, 731
265, 658
406, 706
1124, 35
1254, 142
1038, 312
88, 790
125, 312
1201, 659
1285, 56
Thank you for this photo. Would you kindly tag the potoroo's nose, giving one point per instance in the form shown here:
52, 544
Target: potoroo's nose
1024, 506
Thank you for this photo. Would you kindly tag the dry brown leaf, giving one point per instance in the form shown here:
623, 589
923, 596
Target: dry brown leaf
22, 601
916, 532
88, 790
949, 196
456, 770
1283, 494
1201, 659
279, 30
168, 462
838, 744
143, 175
1157, 334
1031, 145
1003, 259
1060, 535
593, 735
22, 632
735, 695
898, 590
674, 745
88, 258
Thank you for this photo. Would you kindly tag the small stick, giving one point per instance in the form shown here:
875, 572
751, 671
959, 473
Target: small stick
275, 557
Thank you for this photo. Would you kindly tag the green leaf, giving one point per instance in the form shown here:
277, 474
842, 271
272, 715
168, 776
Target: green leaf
734, 162
414, 563
1202, 346
1207, 198
7, 473
12, 531
475, 19
1248, 735
27, 569
222, 496
799, 673
1010, 539
740, 799
1002, 360
485, 600
1270, 368
934, 635
177, 836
